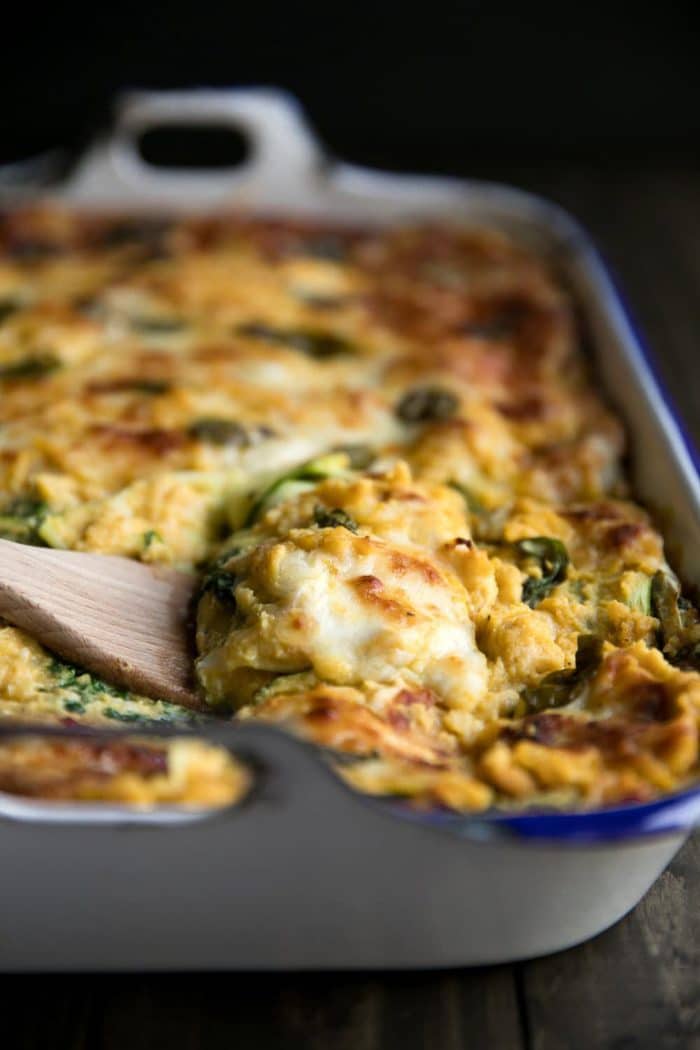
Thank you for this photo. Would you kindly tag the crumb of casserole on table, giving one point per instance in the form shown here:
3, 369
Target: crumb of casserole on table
384, 456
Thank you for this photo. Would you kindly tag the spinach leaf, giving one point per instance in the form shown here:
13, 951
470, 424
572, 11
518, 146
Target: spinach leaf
487, 523
126, 386
474, 504
157, 325
322, 302
8, 307
148, 386
551, 557
124, 716
221, 584
32, 367
679, 629
150, 537
313, 343
561, 687
216, 431
76, 707
665, 595
359, 456
426, 404
313, 470
87, 686
21, 519
333, 519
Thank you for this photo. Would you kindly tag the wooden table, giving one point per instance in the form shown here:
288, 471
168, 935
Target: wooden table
636, 986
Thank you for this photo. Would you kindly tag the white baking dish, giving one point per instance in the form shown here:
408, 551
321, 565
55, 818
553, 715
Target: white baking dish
305, 873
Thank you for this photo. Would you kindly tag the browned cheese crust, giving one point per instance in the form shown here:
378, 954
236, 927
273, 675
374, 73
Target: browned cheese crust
384, 454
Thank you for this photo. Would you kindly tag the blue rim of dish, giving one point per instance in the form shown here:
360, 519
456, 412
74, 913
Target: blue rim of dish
627, 822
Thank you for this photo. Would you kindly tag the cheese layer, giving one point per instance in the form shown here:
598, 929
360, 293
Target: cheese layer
383, 455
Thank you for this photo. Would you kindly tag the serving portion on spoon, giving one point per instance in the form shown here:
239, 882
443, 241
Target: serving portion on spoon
120, 619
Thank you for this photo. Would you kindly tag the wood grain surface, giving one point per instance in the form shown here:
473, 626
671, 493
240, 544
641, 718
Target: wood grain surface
635, 987
120, 619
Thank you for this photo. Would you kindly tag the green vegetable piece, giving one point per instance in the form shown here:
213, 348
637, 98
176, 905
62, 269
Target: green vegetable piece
32, 367
150, 537
314, 343
157, 325
474, 504
333, 519
551, 557
123, 716
687, 657
311, 471
221, 584
679, 629
136, 385
359, 456
639, 598
665, 595
150, 386
561, 687
21, 520
222, 559
427, 404
76, 707
8, 307
322, 302
487, 526
87, 686
219, 432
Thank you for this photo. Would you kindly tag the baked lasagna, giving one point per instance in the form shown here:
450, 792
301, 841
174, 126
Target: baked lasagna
383, 455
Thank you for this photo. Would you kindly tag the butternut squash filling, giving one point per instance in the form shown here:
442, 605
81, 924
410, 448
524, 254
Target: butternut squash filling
383, 455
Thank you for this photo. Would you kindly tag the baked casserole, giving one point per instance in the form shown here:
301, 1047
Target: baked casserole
382, 453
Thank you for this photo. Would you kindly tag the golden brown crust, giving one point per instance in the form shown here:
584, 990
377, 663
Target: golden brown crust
406, 602
142, 773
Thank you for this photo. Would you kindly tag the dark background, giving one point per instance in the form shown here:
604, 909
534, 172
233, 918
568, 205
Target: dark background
439, 85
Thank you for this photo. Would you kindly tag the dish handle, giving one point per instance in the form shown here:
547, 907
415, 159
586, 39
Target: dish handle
282, 152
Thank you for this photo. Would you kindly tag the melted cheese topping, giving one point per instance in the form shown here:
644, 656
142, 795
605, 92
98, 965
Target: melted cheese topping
383, 454
355, 608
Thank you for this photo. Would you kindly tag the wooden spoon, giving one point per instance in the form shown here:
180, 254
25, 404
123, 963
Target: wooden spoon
121, 619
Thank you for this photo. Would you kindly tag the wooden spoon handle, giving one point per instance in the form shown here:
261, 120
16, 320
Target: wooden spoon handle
120, 619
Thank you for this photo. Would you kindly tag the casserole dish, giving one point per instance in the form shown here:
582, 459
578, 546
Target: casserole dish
370, 903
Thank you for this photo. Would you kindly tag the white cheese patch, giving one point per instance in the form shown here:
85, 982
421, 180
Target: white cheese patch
338, 603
